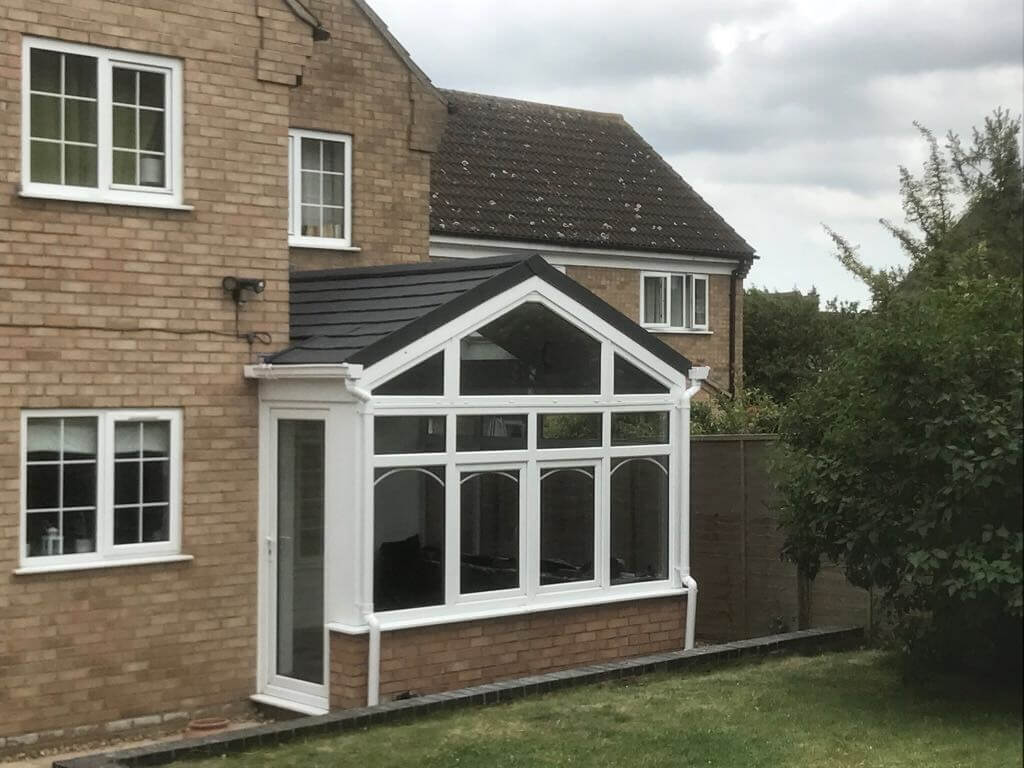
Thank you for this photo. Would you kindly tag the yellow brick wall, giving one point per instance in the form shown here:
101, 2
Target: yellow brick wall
118, 306
621, 289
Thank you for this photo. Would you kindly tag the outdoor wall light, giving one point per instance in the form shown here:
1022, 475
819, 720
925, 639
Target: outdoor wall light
237, 286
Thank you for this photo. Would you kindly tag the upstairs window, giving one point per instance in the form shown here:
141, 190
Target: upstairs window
674, 302
100, 125
319, 190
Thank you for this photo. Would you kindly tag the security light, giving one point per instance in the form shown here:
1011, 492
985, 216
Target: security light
237, 286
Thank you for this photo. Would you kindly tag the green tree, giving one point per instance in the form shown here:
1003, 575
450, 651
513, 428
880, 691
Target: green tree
903, 456
787, 339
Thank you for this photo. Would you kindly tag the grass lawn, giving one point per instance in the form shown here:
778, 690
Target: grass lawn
847, 709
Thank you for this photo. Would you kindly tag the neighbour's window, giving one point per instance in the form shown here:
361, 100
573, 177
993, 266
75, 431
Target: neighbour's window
100, 485
102, 125
320, 189
674, 302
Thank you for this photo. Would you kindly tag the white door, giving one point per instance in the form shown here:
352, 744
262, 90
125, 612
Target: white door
295, 653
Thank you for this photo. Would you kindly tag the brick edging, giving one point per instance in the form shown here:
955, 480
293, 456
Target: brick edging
807, 640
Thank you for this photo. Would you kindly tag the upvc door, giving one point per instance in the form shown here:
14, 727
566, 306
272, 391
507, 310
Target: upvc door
295, 647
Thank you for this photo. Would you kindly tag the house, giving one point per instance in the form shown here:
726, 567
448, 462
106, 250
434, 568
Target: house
587, 192
254, 443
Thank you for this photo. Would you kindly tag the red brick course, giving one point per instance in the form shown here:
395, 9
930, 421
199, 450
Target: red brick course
449, 656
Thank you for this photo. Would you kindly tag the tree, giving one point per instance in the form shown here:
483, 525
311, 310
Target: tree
903, 456
787, 339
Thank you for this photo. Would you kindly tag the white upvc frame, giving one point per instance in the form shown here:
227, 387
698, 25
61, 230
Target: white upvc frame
689, 279
269, 683
170, 196
106, 551
453, 404
295, 238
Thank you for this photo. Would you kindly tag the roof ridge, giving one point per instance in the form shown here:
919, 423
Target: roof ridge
565, 107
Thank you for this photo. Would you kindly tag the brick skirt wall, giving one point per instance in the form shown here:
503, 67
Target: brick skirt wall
442, 658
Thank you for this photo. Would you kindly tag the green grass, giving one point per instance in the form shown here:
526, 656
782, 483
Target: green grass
838, 710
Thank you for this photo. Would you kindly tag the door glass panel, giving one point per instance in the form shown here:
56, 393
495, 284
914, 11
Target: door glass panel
300, 548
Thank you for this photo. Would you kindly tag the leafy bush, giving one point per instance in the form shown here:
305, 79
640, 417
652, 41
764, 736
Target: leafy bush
903, 456
750, 412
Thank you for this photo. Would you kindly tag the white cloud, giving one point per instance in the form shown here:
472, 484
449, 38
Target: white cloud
783, 114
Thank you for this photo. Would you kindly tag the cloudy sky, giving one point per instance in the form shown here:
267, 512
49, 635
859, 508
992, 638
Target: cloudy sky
784, 114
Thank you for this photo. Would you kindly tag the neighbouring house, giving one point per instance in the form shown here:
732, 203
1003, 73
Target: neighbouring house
255, 443
587, 192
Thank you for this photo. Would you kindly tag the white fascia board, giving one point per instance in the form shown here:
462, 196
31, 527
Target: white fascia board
533, 288
448, 247
269, 372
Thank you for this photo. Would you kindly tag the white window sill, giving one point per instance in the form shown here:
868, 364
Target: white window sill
98, 199
681, 331
28, 570
321, 245
470, 612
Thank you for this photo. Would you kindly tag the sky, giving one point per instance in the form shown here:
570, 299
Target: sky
783, 114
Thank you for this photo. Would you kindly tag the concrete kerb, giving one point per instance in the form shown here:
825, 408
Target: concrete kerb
803, 641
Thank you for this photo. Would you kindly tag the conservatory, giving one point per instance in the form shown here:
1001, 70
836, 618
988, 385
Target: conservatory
465, 450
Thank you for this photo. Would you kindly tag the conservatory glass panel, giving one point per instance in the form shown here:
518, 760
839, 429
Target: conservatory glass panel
530, 351
408, 535
639, 520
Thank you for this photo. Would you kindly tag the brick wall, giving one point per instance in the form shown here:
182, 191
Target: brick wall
357, 85
450, 656
621, 289
106, 306
746, 590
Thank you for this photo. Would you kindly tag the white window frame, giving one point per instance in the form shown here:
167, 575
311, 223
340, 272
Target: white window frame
107, 553
170, 196
531, 462
295, 239
666, 279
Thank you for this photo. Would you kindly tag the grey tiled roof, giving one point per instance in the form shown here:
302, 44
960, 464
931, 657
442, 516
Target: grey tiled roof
517, 170
363, 315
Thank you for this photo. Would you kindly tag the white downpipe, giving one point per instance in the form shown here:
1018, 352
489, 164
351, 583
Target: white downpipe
373, 661
365, 496
696, 375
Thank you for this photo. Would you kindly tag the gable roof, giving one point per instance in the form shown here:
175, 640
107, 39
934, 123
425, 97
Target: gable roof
363, 315
518, 170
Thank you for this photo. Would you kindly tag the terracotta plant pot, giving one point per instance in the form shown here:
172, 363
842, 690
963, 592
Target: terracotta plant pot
208, 724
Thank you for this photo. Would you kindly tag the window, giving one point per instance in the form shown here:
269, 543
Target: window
100, 125
674, 302
567, 519
320, 190
489, 525
408, 535
426, 378
507, 499
100, 486
639, 526
530, 351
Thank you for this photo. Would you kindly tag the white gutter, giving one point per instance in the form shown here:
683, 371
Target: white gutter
696, 375
269, 371
366, 490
